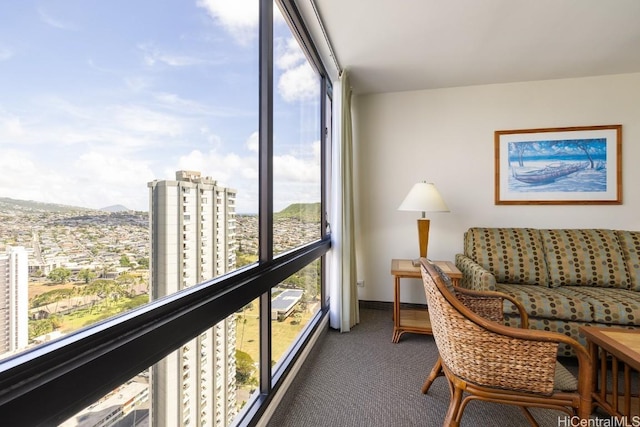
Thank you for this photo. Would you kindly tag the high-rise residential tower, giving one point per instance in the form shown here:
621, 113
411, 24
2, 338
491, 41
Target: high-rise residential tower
192, 226
14, 298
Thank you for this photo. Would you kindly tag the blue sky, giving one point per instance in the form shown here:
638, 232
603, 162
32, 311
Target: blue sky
98, 98
560, 147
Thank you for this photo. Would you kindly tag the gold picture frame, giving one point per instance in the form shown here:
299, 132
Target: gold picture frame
559, 166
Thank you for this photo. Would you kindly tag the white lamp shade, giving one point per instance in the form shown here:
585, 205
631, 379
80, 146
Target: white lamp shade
423, 197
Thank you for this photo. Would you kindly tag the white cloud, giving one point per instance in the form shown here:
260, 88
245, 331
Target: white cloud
239, 17
10, 128
20, 167
109, 178
140, 119
288, 53
138, 83
93, 179
152, 55
298, 81
184, 106
296, 177
253, 141
15, 162
227, 169
290, 168
58, 122
302, 167
54, 22
299, 84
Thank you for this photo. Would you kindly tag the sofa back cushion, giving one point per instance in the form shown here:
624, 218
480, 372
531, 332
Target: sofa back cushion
585, 257
512, 255
630, 243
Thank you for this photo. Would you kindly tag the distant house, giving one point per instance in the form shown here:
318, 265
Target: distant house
283, 304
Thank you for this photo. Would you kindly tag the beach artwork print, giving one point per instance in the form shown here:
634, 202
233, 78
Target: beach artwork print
558, 166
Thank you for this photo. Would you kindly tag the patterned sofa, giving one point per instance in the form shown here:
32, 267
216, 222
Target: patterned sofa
565, 278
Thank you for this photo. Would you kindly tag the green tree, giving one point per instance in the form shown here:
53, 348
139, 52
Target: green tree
244, 367
59, 275
86, 275
125, 261
105, 270
243, 259
143, 262
126, 281
39, 327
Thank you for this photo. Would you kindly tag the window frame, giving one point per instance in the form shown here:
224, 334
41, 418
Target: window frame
70, 373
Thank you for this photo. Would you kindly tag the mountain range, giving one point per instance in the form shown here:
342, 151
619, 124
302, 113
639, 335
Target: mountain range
8, 203
307, 212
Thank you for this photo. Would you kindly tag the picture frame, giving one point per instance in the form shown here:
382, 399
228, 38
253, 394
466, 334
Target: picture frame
559, 166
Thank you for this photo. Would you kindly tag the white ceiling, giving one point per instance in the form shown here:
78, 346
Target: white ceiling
398, 45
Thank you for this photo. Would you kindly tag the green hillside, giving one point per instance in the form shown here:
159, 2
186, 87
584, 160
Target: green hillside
307, 212
8, 203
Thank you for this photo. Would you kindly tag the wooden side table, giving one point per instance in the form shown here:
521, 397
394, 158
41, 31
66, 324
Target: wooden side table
612, 389
414, 320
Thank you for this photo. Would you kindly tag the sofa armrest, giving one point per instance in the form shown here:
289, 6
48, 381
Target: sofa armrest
474, 276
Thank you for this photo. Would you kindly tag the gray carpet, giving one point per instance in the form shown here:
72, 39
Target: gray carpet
361, 378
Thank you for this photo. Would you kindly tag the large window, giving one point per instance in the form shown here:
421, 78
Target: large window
103, 103
296, 141
150, 153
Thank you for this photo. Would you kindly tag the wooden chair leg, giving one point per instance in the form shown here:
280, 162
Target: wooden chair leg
436, 371
453, 416
527, 414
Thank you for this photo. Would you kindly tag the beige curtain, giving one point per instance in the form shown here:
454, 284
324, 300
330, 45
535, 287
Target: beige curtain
344, 312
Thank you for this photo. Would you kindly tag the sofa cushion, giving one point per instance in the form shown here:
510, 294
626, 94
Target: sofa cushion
609, 305
567, 327
547, 303
584, 257
512, 255
630, 244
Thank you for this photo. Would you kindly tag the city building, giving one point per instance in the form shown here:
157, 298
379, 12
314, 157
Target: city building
14, 299
192, 226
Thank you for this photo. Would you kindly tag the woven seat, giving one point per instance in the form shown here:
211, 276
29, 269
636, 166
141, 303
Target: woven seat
485, 360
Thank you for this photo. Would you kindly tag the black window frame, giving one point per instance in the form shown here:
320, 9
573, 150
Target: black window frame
48, 384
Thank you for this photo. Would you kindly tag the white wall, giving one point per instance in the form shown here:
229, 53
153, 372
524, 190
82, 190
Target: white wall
446, 136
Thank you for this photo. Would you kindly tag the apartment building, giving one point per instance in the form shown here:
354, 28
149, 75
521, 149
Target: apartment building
192, 226
14, 328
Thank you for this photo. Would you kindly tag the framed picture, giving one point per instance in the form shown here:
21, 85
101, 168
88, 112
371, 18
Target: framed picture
559, 166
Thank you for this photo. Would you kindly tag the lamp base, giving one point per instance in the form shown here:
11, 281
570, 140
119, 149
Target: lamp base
423, 236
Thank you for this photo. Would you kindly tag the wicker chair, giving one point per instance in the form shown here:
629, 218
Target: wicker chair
485, 360
488, 304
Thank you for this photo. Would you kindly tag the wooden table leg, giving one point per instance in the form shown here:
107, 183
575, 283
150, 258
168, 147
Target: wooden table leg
396, 310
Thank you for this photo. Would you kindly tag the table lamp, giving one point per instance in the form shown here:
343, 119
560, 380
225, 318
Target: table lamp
423, 197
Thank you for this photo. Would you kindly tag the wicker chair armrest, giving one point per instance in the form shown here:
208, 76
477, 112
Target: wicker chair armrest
538, 336
518, 364
474, 276
477, 301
